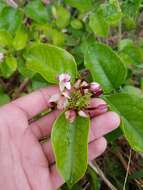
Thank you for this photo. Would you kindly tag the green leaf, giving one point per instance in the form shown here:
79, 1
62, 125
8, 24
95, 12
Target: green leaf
50, 61
133, 91
5, 38
75, 187
85, 5
105, 66
130, 53
8, 66
130, 107
76, 24
131, 7
98, 23
10, 19
23, 69
70, 150
112, 12
136, 175
4, 98
93, 179
62, 16
2, 6
20, 39
36, 11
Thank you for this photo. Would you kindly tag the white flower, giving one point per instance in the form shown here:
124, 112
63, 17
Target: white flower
64, 82
82, 114
1, 57
12, 3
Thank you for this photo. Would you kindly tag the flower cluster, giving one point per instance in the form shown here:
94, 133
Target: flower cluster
76, 100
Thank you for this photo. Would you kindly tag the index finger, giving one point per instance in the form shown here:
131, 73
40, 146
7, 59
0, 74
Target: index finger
35, 102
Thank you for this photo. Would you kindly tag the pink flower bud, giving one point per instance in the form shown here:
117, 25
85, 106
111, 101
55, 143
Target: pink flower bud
95, 111
70, 115
95, 88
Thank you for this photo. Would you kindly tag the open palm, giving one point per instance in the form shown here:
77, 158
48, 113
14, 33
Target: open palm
25, 164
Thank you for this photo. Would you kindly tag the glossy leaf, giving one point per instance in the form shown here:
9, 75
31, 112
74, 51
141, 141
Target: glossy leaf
4, 98
8, 66
93, 179
2, 6
36, 11
82, 6
98, 23
105, 66
10, 19
20, 39
130, 53
130, 107
50, 61
71, 150
131, 8
112, 12
5, 38
62, 16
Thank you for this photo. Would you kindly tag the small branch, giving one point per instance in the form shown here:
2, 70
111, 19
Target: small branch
96, 168
128, 170
21, 88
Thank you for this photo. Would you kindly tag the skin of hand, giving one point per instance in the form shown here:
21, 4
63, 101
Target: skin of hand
25, 164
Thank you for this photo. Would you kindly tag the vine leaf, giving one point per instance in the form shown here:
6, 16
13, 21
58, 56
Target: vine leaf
70, 142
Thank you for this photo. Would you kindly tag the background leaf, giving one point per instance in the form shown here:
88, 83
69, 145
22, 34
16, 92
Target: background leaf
93, 179
20, 40
98, 23
10, 19
4, 98
50, 61
8, 66
36, 11
130, 107
105, 66
71, 150
62, 16
5, 38
82, 6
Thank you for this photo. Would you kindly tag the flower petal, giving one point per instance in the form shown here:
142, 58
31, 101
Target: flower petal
82, 114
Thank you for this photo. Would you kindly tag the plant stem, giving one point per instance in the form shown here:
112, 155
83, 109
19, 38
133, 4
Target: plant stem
21, 88
128, 169
96, 168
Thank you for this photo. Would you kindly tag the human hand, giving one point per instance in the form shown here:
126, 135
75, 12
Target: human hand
25, 164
